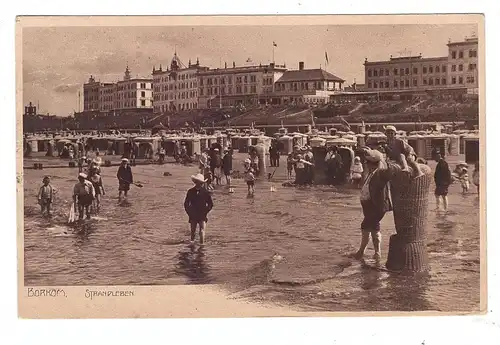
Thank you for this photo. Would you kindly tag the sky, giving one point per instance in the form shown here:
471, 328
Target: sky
58, 60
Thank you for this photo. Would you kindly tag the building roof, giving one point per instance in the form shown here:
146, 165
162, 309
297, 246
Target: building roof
467, 41
409, 59
243, 69
309, 75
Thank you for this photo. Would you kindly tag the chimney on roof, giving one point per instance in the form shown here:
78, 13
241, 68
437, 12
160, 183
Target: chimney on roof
234, 65
271, 65
301, 65
225, 64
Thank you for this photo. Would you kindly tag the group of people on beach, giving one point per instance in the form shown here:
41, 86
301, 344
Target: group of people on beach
88, 190
371, 171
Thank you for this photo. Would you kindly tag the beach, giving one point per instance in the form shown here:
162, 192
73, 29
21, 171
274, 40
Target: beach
278, 253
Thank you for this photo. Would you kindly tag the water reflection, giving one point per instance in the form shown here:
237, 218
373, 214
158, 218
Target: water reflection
408, 293
193, 265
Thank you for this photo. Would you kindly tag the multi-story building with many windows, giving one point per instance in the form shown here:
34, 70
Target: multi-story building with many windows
415, 73
176, 88
91, 95
462, 63
129, 93
242, 85
107, 97
133, 93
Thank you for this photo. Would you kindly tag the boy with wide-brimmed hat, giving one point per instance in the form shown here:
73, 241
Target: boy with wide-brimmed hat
83, 195
198, 203
125, 178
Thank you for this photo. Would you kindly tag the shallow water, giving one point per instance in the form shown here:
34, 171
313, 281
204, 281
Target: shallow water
146, 242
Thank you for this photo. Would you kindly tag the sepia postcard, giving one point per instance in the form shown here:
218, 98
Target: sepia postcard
246, 166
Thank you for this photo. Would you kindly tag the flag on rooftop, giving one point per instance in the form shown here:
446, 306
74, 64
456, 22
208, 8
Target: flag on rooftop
274, 44
326, 57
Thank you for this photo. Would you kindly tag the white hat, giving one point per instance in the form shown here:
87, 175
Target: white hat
374, 156
198, 178
248, 161
216, 149
390, 128
125, 160
82, 175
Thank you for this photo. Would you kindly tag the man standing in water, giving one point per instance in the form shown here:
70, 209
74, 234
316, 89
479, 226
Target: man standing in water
198, 204
83, 195
375, 202
442, 179
227, 166
125, 178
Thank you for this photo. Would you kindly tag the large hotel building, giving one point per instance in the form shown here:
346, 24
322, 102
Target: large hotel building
457, 70
127, 94
232, 86
176, 88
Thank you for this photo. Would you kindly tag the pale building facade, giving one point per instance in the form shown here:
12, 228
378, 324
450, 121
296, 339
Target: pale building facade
133, 93
234, 86
309, 86
406, 73
462, 63
129, 93
107, 96
414, 73
176, 88
91, 95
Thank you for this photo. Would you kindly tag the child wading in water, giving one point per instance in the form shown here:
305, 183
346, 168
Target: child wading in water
475, 176
96, 181
289, 165
463, 177
249, 177
83, 196
357, 172
198, 204
46, 195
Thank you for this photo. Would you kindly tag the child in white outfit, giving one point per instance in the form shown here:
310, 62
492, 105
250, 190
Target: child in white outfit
357, 172
463, 177
249, 177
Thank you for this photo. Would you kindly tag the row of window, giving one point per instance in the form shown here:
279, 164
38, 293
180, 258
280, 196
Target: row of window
229, 80
267, 81
133, 86
300, 86
471, 67
460, 54
425, 82
229, 91
172, 96
169, 87
174, 77
405, 71
431, 69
